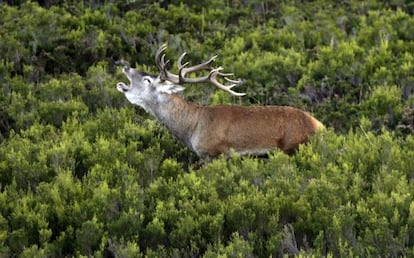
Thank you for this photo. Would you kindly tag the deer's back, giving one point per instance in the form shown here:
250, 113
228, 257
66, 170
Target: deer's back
254, 130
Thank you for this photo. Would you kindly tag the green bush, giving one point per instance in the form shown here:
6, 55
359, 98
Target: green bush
85, 173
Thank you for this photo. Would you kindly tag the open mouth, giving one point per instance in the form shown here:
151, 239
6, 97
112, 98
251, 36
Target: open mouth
122, 87
126, 70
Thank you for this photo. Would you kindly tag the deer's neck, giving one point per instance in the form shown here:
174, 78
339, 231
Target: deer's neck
179, 116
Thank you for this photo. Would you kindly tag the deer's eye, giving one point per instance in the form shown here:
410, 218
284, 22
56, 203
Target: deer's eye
147, 80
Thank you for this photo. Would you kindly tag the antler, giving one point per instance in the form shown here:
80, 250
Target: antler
184, 70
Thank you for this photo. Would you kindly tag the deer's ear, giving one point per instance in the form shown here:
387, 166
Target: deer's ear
170, 88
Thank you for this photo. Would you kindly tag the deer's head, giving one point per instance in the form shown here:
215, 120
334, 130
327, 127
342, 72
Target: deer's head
146, 87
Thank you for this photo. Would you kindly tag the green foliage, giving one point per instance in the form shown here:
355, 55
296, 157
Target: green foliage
84, 173
384, 105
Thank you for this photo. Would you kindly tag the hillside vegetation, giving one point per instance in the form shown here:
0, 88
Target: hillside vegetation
84, 173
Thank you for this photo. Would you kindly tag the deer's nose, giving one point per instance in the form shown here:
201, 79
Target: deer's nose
125, 69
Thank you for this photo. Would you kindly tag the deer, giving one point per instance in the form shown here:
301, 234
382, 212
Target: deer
211, 131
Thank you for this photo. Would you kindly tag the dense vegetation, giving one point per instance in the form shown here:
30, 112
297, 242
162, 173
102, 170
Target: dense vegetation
84, 173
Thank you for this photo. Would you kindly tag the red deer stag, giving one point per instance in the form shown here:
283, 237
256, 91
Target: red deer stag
213, 130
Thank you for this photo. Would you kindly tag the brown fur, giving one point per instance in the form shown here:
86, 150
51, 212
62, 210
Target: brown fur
248, 130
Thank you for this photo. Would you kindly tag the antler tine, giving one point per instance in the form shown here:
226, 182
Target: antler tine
159, 56
213, 79
225, 74
237, 82
184, 70
163, 70
180, 60
162, 65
